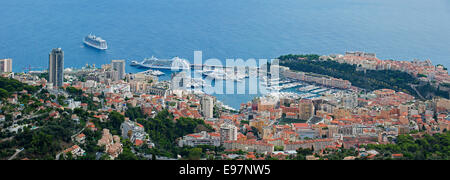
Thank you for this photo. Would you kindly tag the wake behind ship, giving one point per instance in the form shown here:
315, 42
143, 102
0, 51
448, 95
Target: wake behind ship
95, 42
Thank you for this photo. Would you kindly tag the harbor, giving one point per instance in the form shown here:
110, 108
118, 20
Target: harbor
207, 76
152, 72
177, 63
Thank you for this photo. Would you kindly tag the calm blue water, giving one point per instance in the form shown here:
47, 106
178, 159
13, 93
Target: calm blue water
134, 29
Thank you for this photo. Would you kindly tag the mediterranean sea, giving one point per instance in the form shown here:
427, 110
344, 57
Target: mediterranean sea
135, 29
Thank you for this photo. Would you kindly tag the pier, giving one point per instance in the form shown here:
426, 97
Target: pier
200, 66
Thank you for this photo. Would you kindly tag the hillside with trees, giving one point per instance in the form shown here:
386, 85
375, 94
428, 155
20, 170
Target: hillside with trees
428, 147
8, 86
164, 131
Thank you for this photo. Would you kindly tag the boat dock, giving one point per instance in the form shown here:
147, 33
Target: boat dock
200, 66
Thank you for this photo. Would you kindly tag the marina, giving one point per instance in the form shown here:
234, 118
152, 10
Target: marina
155, 63
284, 86
208, 76
195, 83
177, 63
308, 95
308, 88
152, 72
220, 74
319, 90
325, 92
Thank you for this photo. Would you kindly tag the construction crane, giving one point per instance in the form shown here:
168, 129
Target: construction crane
29, 68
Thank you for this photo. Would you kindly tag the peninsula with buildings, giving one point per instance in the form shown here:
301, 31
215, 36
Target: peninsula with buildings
346, 107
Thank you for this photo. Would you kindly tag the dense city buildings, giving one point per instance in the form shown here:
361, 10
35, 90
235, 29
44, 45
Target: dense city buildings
314, 78
228, 132
207, 106
205, 80
134, 132
5, 65
113, 146
119, 67
424, 70
305, 109
141, 117
56, 67
202, 138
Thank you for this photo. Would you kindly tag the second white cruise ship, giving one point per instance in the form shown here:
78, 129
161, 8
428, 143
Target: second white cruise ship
155, 63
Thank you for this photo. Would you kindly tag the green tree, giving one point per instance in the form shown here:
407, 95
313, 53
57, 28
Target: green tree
195, 153
115, 120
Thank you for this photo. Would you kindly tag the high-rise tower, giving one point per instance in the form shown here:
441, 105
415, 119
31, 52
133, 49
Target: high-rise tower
207, 107
119, 66
5, 65
56, 67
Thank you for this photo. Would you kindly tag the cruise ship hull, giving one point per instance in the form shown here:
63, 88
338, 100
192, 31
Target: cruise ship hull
153, 67
162, 64
94, 46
